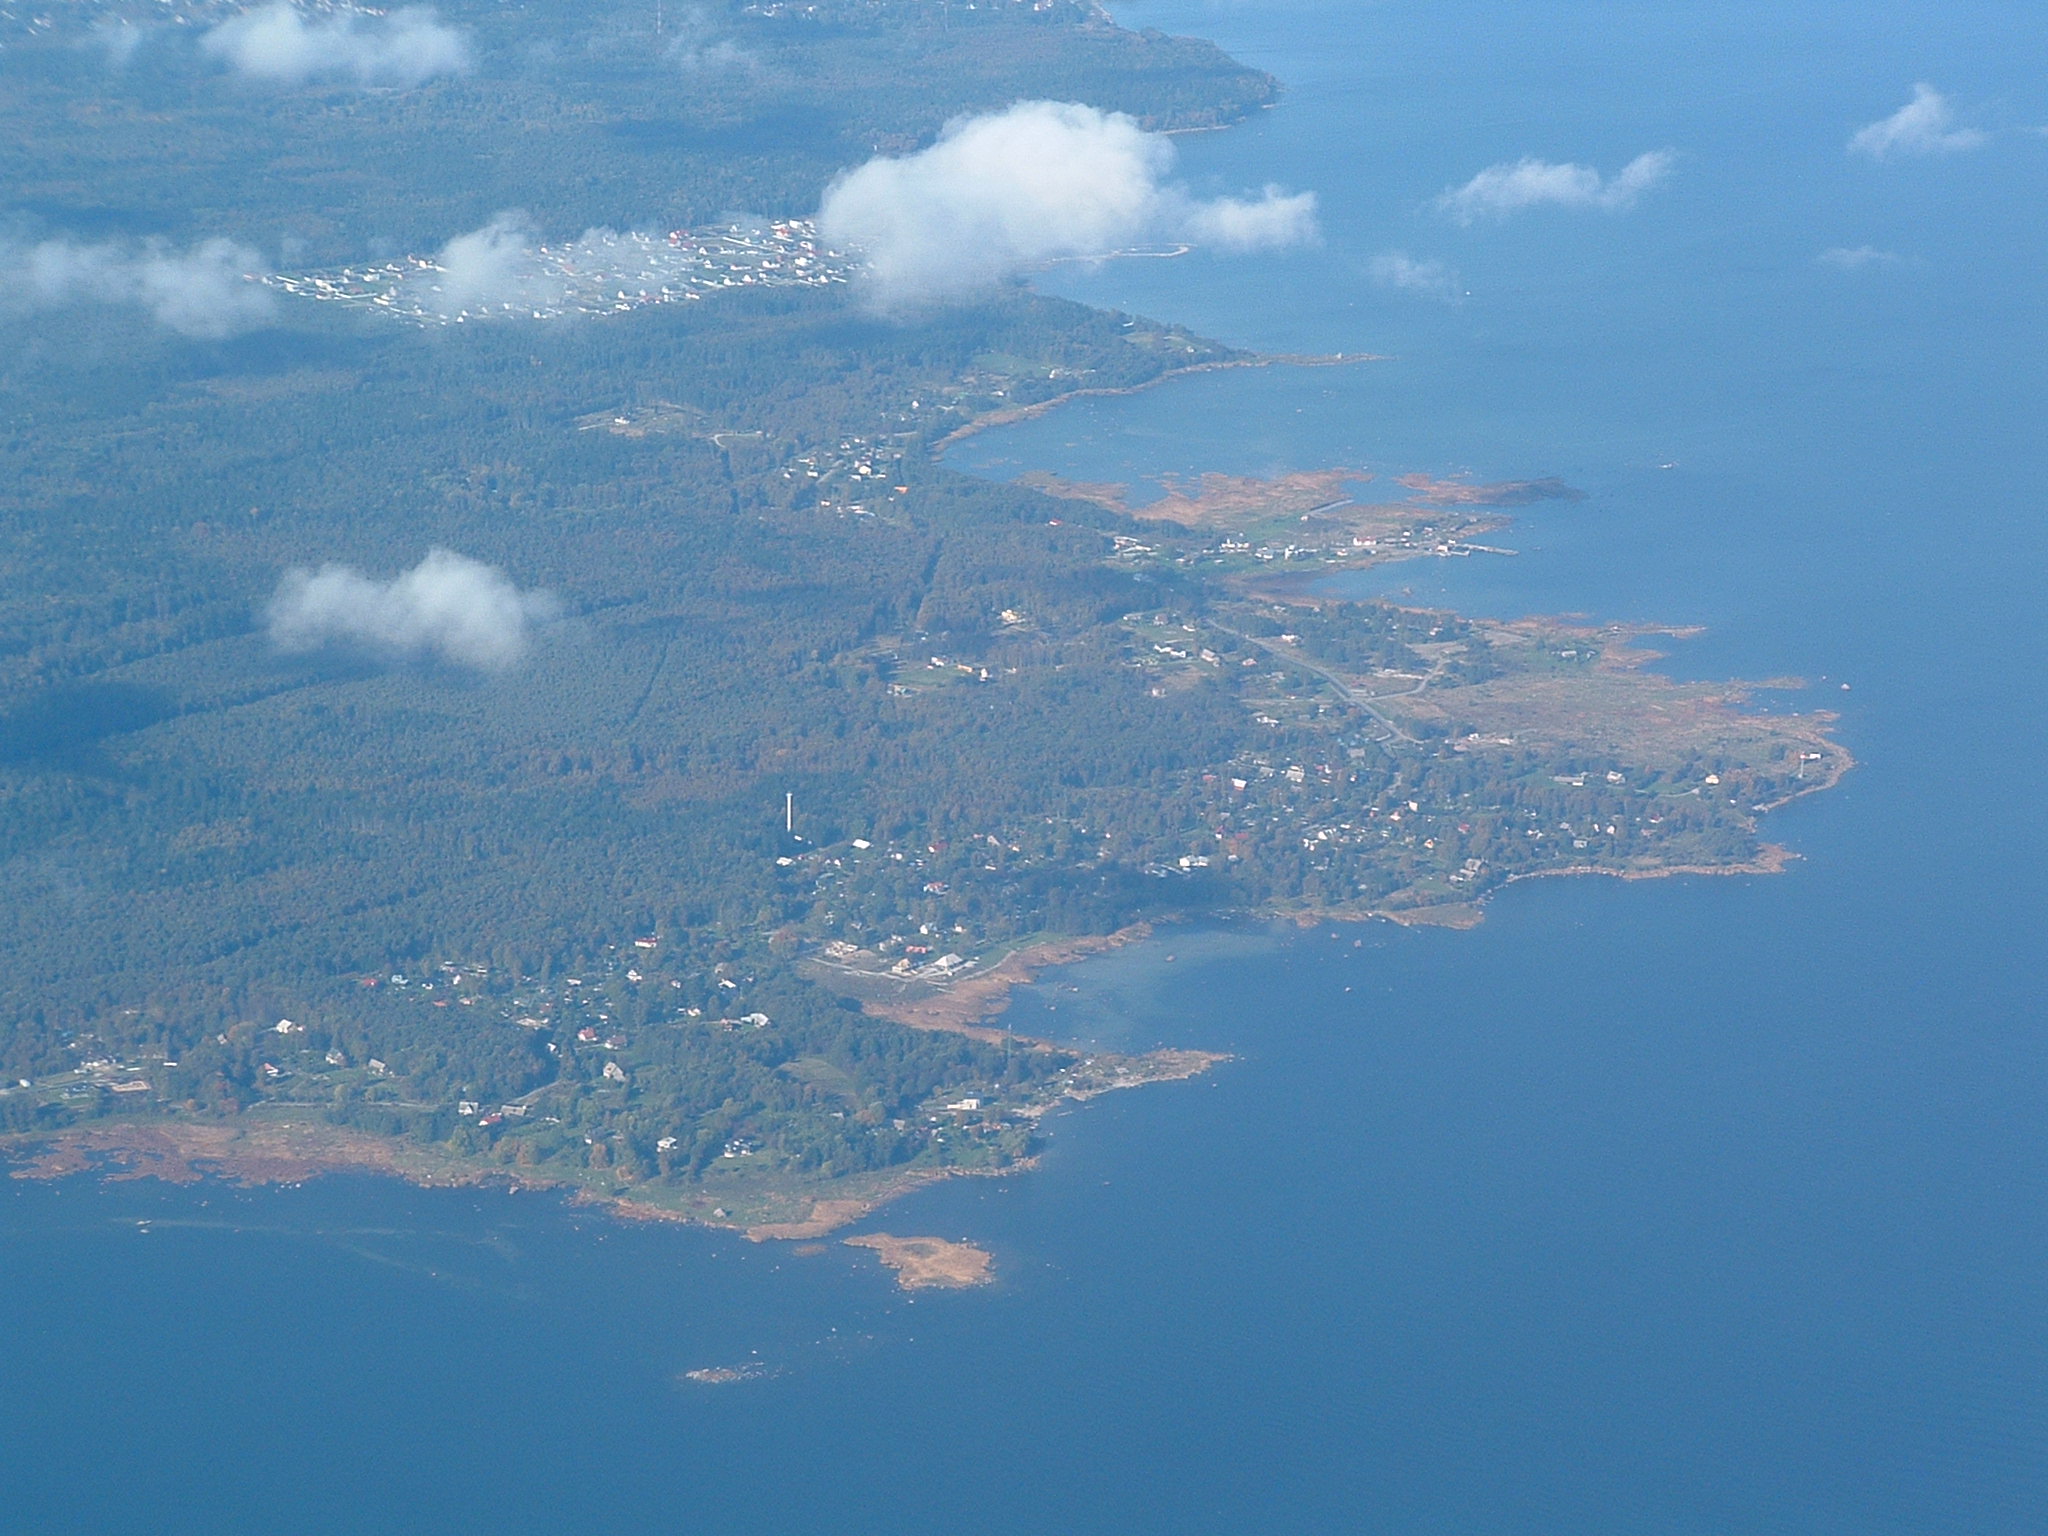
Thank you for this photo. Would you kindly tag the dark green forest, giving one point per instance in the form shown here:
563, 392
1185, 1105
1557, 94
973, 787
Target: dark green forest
553, 915
583, 115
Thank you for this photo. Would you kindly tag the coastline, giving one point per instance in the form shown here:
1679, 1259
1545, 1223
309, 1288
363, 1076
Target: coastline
831, 1215
249, 1151
928, 1263
292, 1152
967, 1004
1010, 415
1771, 859
259, 1151
1838, 769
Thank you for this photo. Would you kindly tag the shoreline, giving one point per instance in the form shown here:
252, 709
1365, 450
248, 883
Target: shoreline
258, 1149
293, 1152
928, 1263
259, 1152
967, 1005
1771, 859
1010, 415
1463, 916
283, 1151
262, 1150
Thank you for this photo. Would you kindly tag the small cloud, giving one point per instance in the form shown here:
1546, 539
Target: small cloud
1040, 181
208, 290
1274, 221
118, 40
697, 49
1854, 258
278, 42
1511, 187
711, 58
448, 607
492, 268
1923, 126
1426, 279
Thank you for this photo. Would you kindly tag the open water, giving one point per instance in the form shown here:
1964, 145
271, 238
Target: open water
1701, 1206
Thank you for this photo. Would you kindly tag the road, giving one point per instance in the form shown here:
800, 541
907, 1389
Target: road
1366, 702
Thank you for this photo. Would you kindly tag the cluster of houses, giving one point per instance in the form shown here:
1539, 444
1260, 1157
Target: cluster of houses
600, 273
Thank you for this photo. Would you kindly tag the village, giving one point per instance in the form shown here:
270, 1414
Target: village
1356, 779
600, 273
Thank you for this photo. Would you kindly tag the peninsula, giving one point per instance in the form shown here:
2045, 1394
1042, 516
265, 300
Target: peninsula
693, 875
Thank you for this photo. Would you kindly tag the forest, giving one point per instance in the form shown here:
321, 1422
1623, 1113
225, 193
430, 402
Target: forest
653, 115
801, 710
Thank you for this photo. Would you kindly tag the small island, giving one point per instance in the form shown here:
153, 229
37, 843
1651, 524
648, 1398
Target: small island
928, 1263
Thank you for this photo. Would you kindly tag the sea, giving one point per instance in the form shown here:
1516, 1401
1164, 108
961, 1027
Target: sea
1681, 1208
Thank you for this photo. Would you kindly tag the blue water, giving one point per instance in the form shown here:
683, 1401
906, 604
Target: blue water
1696, 1207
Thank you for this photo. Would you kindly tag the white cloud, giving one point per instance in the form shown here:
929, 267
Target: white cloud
447, 607
279, 42
1428, 279
696, 47
1923, 126
1040, 181
1855, 258
709, 58
207, 290
118, 39
1275, 221
492, 268
1511, 187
